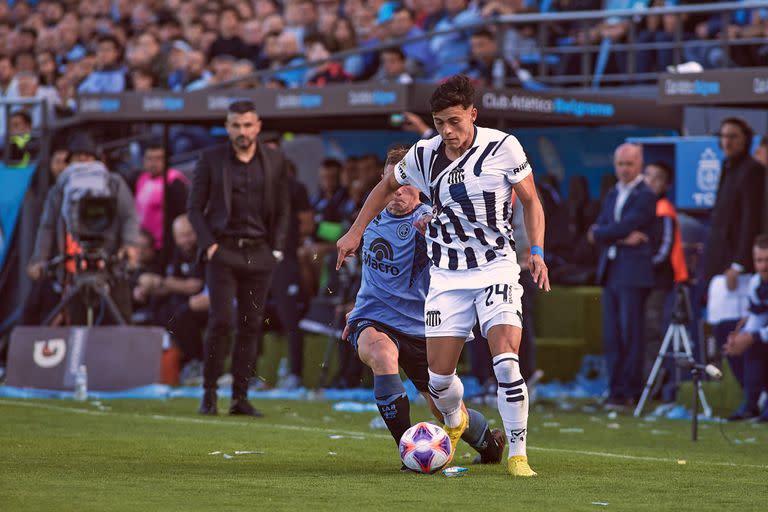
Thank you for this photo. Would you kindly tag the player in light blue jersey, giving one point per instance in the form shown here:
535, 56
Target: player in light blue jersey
386, 326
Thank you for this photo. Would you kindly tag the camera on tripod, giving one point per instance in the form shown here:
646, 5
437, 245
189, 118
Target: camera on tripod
681, 311
89, 220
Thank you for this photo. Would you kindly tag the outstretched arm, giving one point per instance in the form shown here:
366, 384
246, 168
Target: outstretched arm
377, 200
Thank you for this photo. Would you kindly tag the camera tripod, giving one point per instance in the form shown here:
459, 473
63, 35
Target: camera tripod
680, 350
92, 284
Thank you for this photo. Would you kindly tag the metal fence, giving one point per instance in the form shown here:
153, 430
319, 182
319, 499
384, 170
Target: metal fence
559, 61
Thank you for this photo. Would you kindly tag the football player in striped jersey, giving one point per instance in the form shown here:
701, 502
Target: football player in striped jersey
469, 173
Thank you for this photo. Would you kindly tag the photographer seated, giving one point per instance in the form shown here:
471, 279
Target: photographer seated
90, 220
172, 298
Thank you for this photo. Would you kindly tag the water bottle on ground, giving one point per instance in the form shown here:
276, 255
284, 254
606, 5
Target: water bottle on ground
81, 383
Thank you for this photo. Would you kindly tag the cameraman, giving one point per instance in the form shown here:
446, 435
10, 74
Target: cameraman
53, 235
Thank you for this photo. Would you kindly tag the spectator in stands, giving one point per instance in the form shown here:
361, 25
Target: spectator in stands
109, 76
328, 206
751, 338
452, 48
484, 52
196, 70
142, 80
26, 39
316, 49
428, 13
24, 147
29, 88
735, 217
8, 85
343, 33
46, 68
252, 36
402, 25
626, 274
158, 192
70, 48
178, 61
24, 61
289, 54
58, 162
656, 29
229, 41
223, 70
145, 52
393, 67
172, 294
300, 20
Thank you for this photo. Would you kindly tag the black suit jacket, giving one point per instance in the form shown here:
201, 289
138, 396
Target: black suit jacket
210, 199
736, 216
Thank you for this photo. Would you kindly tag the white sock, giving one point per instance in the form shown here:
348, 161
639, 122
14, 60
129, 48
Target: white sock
447, 391
512, 397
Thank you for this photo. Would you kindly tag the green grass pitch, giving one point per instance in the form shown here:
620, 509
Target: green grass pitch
155, 456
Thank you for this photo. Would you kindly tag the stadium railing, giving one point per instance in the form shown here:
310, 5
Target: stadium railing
547, 57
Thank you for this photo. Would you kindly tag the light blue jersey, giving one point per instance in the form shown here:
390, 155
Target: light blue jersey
395, 273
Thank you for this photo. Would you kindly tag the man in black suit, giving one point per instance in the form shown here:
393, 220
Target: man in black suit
736, 216
239, 207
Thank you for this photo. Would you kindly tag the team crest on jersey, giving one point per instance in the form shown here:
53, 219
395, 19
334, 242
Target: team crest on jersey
403, 230
433, 318
456, 176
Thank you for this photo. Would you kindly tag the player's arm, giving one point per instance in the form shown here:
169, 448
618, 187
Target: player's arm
377, 200
534, 226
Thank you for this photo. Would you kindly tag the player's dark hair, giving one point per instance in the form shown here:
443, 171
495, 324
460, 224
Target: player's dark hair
457, 90
761, 242
242, 107
669, 174
395, 153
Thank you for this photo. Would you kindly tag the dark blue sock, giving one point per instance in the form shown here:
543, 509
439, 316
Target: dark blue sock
477, 434
393, 404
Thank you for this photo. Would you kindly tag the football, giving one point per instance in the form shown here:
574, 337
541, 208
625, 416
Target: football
425, 448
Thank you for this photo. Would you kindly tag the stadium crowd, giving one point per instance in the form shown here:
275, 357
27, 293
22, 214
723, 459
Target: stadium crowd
55, 49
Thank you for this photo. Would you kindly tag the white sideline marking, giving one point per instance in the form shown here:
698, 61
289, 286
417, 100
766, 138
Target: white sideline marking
259, 424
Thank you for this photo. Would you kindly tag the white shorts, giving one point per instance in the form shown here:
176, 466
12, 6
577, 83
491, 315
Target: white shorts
458, 298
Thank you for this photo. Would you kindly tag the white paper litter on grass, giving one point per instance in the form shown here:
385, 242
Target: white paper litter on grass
332, 454
248, 452
571, 430
228, 456
613, 426
600, 503
215, 453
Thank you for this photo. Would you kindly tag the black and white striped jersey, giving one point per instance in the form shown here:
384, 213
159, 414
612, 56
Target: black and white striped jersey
471, 223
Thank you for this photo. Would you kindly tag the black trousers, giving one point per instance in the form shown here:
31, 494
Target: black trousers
242, 275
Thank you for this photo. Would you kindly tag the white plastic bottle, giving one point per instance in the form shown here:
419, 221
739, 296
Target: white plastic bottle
81, 383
